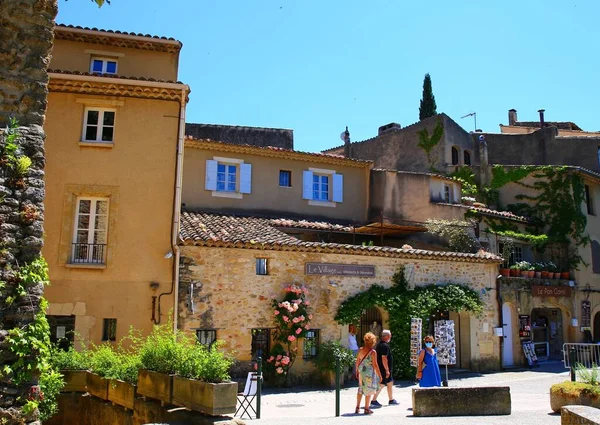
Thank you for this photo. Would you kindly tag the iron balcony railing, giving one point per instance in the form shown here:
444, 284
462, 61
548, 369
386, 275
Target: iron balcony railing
88, 253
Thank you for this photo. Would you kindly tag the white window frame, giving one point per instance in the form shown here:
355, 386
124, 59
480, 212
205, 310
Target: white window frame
243, 178
333, 178
236, 174
91, 230
319, 187
100, 125
105, 61
262, 266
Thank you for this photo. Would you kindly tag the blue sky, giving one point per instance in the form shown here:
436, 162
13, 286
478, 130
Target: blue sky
316, 66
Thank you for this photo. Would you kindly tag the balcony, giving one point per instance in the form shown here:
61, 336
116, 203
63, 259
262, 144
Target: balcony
88, 254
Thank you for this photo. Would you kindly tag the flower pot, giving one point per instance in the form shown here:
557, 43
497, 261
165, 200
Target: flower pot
558, 400
545, 274
565, 275
556, 275
97, 386
524, 273
514, 273
212, 399
538, 275
530, 274
158, 386
75, 381
121, 393
504, 272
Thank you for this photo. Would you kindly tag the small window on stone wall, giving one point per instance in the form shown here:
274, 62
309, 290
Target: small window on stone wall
109, 330
467, 157
261, 341
311, 344
262, 268
596, 257
454, 155
206, 337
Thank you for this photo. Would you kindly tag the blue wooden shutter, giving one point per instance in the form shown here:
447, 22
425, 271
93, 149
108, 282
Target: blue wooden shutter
245, 178
338, 188
307, 183
211, 175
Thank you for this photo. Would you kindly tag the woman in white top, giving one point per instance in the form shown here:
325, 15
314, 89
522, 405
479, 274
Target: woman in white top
352, 344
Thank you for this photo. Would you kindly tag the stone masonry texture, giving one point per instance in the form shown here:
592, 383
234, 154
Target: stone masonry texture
226, 294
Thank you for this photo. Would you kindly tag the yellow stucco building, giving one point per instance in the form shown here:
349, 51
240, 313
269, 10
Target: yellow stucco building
115, 126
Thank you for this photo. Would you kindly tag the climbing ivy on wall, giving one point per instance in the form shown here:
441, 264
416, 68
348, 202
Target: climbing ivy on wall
427, 143
465, 176
403, 304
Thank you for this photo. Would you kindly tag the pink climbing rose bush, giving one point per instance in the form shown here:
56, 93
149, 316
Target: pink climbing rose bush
292, 318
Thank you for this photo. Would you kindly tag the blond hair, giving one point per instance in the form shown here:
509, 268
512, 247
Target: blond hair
370, 340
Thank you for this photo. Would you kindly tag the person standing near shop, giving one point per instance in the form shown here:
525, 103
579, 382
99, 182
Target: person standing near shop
352, 344
428, 369
385, 360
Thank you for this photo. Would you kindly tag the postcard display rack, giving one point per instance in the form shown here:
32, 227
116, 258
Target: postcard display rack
416, 326
445, 344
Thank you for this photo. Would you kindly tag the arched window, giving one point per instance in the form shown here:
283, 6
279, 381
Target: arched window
467, 156
596, 257
454, 155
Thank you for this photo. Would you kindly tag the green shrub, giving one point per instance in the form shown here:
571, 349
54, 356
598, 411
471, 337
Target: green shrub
70, 359
574, 389
329, 351
51, 382
588, 376
162, 351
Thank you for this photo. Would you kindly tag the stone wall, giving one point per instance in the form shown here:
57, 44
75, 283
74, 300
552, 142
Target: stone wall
227, 294
27, 33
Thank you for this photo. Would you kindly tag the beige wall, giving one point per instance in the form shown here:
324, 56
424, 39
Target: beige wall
137, 174
72, 56
219, 273
507, 129
267, 195
409, 197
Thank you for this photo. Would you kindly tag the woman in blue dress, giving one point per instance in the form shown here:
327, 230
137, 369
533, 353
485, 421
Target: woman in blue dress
428, 369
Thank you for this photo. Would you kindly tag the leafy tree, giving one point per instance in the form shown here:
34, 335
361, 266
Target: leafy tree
428, 108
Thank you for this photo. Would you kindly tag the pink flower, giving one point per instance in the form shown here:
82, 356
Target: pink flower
291, 338
276, 312
278, 357
307, 302
271, 359
285, 361
298, 331
277, 364
310, 316
306, 327
286, 319
302, 318
280, 370
295, 320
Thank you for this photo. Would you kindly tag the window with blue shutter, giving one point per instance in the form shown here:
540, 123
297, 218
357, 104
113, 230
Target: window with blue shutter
320, 187
226, 178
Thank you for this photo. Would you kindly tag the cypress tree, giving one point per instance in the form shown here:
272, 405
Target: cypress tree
428, 108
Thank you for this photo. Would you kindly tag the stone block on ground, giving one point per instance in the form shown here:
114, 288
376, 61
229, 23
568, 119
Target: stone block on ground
475, 401
579, 415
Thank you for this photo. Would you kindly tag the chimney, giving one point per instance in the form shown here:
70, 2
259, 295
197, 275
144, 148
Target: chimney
484, 163
542, 123
347, 146
512, 116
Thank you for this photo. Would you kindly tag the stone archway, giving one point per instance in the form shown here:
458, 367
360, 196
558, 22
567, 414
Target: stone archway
369, 318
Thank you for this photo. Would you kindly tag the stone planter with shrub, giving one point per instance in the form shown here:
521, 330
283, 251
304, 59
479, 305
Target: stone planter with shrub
122, 393
97, 386
326, 359
75, 381
156, 385
212, 399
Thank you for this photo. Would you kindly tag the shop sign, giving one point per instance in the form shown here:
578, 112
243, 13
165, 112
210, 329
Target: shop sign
339, 269
524, 326
551, 291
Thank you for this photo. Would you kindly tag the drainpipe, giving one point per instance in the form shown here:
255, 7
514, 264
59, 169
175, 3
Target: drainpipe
177, 203
501, 318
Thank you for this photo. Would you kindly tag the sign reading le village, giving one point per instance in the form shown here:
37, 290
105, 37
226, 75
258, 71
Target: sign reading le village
339, 269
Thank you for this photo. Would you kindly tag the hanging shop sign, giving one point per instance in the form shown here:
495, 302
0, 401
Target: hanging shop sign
586, 314
551, 291
445, 342
416, 332
524, 326
339, 269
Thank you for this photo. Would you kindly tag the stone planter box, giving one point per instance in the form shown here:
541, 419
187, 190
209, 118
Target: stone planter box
121, 393
75, 381
212, 399
158, 386
472, 401
557, 401
97, 386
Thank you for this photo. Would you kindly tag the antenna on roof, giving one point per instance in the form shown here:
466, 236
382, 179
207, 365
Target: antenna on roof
474, 115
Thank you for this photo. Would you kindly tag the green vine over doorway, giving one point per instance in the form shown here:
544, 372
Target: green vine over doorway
403, 304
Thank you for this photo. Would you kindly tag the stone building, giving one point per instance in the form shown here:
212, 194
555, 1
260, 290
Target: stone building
259, 218
396, 147
115, 130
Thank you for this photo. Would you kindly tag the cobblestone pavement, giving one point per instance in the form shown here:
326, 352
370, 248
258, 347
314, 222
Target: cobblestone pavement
529, 395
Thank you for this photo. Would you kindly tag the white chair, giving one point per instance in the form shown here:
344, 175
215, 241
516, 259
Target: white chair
246, 397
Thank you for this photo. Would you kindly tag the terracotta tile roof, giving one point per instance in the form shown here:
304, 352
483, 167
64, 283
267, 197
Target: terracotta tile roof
276, 152
111, 76
242, 135
487, 211
308, 224
228, 231
418, 173
562, 125
117, 38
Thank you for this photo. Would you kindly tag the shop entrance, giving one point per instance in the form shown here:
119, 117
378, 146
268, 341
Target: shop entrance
370, 321
547, 333
597, 327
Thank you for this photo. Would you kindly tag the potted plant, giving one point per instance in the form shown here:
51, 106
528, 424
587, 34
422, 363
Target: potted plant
504, 272
565, 275
523, 267
326, 360
553, 272
103, 359
538, 268
545, 274
514, 270
586, 392
122, 388
202, 382
467, 200
73, 366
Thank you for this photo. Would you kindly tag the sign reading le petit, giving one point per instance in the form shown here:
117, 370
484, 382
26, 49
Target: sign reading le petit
339, 269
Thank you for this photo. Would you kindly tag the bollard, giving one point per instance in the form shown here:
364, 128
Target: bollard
572, 363
337, 386
258, 386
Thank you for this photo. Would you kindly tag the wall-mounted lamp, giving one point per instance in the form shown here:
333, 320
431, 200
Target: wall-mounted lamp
154, 285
